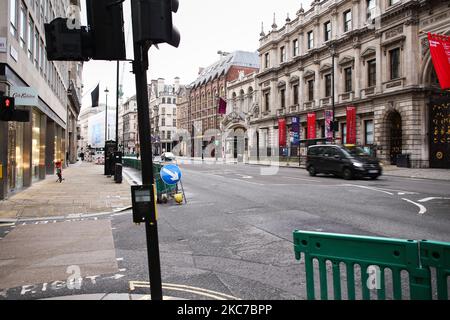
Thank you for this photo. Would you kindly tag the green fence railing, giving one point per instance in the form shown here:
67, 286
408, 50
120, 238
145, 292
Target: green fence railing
132, 163
372, 253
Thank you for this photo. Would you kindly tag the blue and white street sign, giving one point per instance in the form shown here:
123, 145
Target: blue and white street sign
170, 174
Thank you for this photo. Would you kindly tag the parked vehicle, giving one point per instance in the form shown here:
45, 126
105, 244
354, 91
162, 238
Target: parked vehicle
168, 157
348, 161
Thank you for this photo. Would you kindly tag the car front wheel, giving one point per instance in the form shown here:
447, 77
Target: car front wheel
348, 175
312, 171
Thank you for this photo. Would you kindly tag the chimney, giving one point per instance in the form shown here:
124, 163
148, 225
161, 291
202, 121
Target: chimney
160, 85
200, 70
176, 84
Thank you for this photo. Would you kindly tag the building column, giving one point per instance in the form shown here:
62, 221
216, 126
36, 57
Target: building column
3, 159
43, 134
27, 151
356, 14
358, 74
50, 147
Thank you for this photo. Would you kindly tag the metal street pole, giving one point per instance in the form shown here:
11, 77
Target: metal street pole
106, 117
117, 108
140, 67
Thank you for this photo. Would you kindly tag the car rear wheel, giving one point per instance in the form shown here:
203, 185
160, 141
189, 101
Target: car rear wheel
348, 175
312, 171
374, 177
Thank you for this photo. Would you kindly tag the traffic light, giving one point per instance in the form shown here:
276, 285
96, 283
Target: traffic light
103, 39
7, 107
64, 44
154, 21
105, 20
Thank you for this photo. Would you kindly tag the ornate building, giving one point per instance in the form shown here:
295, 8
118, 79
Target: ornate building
163, 114
203, 117
241, 106
379, 53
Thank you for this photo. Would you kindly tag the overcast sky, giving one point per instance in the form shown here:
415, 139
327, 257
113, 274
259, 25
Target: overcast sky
206, 26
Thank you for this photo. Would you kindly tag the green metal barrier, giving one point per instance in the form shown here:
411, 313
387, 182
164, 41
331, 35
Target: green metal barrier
394, 254
161, 187
435, 254
132, 163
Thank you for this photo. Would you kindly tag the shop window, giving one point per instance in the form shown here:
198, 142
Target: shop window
368, 131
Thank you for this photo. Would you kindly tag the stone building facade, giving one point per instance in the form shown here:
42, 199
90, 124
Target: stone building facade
382, 67
241, 107
163, 114
130, 136
182, 134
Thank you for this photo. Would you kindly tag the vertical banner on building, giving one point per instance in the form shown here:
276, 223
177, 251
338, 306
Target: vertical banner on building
311, 122
295, 131
282, 132
440, 54
351, 125
328, 120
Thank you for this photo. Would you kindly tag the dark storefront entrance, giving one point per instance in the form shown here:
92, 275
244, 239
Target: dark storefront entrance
439, 109
395, 140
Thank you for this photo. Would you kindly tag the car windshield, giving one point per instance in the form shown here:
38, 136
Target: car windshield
355, 151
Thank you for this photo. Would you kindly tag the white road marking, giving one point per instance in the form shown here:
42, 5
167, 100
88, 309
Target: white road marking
119, 214
7, 225
369, 188
432, 198
421, 207
119, 259
255, 183
303, 179
244, 176
122, 270
183, 288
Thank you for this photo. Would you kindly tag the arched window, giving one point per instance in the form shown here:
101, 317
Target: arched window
241, 100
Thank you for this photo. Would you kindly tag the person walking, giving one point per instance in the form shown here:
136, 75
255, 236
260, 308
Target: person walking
58, 166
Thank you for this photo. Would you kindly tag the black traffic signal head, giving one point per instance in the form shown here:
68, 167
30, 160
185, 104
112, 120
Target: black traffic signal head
62, 43
105, 20
152, 21
7, 107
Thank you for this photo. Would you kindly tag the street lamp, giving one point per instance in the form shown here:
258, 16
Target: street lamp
106, 116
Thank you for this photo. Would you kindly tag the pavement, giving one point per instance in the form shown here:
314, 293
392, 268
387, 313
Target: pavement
85, 191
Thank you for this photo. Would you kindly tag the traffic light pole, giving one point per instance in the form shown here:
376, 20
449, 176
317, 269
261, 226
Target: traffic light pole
140, 66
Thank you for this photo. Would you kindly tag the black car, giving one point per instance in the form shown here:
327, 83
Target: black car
346, 161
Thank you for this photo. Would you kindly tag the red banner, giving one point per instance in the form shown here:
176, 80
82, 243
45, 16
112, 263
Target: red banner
351, 125
282, 132
440, 54
311, 126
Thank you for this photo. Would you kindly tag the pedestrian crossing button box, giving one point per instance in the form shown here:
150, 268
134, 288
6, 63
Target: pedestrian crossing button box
143, 201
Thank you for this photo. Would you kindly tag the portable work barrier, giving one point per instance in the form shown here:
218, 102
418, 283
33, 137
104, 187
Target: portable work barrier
436, 255
161, 187
373, 255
